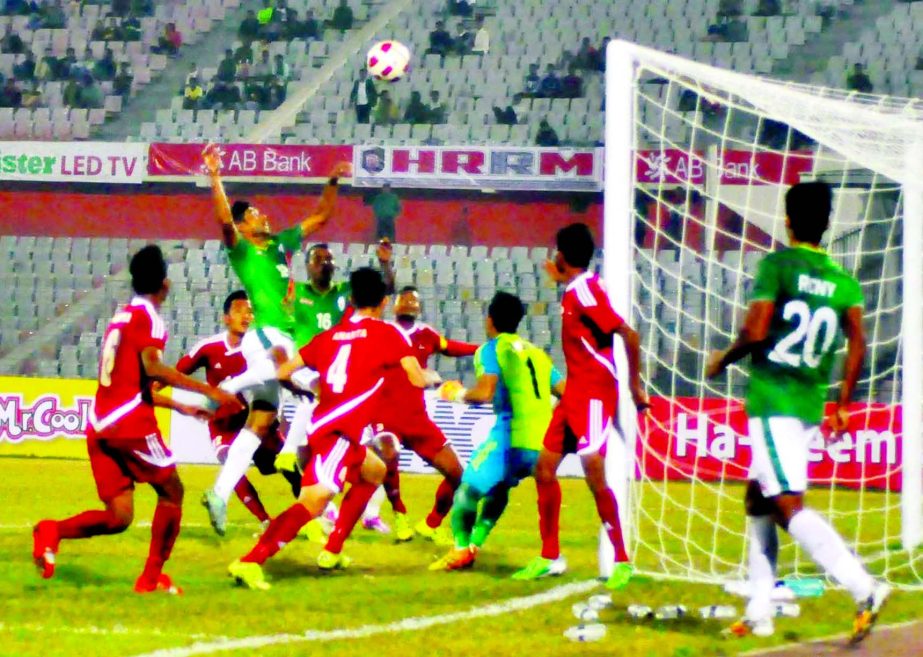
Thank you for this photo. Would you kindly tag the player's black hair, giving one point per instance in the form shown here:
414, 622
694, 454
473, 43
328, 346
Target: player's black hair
236, 295
319, 245
238, 210
408, 288
575, 243
808, 207
148, 270
368, 287
506, 311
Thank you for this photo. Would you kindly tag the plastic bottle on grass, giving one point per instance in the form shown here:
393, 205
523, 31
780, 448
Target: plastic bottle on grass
718, 611
670, 612
642, 612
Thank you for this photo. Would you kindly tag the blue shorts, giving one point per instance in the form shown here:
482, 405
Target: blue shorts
495, 463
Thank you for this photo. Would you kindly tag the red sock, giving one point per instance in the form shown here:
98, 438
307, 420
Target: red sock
164, 530
392, 485
354, 503
247, 494
281, 530
608, 509
549, 513
445, 495
89, 523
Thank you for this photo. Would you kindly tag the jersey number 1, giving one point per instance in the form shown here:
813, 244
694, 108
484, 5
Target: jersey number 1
336, 373
805, 336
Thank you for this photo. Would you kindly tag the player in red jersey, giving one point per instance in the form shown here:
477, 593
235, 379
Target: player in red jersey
404, 419
585, 418
352, 360
123, 440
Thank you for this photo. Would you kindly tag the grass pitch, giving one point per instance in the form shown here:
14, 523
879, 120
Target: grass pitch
89, 609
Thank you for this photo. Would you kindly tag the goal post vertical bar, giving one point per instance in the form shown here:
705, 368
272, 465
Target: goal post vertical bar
912, 356
618, 268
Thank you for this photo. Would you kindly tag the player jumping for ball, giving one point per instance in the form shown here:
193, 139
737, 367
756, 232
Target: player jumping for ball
585, 419
352, 358
262, 260
801, 300
123, 441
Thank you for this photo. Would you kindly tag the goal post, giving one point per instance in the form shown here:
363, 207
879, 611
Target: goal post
698, 160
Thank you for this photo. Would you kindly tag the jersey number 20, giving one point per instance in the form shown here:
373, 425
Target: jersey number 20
804, 345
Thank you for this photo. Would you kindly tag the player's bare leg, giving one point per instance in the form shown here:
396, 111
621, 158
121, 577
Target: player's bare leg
448, 465
47, 534
371, 475
594, 468
165, 528
385, 447
549, 512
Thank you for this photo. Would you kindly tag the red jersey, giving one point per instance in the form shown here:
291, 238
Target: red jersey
586, 333
352, 358
220, 361
124, 407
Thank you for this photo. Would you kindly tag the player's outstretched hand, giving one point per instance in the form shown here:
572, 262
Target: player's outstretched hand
715, 364
640, 398
342, 170
838, 424
451, 391
384, 250
432, 377
211, 155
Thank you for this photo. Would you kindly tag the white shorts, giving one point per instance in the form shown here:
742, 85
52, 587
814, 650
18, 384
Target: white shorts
780, 448
255, 348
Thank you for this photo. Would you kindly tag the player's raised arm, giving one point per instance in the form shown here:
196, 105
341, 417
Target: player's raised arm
456, 348
852, 367
414, 372
325, 206
385, 253
212, 158
155, 368
752, 333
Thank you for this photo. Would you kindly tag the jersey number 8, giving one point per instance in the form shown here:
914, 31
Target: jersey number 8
108, 358
805, 336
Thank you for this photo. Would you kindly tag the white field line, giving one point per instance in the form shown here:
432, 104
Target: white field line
413, 624
117, 630
833, 637
143, 523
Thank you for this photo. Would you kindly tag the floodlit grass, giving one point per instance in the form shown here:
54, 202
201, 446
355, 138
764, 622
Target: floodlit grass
89, 609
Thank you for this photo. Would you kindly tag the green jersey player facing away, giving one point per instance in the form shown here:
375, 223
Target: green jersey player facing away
261, 259
800, 302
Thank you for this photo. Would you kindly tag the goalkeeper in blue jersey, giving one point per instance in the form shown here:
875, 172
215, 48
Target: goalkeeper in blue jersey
519, 378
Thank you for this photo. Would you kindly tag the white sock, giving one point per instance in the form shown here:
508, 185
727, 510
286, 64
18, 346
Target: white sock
298, 427
819, 539
331, 509
240, 454
257, 373
763, 551
373, 508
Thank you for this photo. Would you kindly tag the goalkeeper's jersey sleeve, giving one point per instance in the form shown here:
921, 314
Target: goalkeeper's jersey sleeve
265, 274
528, 376
790, 371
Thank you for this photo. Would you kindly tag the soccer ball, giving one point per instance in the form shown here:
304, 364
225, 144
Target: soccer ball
388, 60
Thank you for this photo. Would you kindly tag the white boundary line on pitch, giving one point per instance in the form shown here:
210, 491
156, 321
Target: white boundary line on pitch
143, 523
832, 637
118, 630
412, 624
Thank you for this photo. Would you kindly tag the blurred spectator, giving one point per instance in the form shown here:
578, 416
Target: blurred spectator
253, 99
481, 37
572, 84
292, 28
601, 54
342, 17
120, 7
52, 15
112, 31
565, 60
587, 58
275, 94
532, 82
249, 28
170, 41
437, 110
730, 8
859, 81
131, 28
84, 67
550, 86
310, 26
440, 41
416, 111
460, 7
10, 94
505, 116
768, 8
67, 64
227, 67
91, 95
385, 112
281, 69
25, 70
142, 7
48, 66
105, 68
244, 53
99, 31
193, 94
386, 207
262, 69
222, 95
546, 136
270, 19
193, 73
363, 96
123, 80
11, 43
72, 92
464, 41
32, 95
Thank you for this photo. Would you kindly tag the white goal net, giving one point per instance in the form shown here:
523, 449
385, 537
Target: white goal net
698, 162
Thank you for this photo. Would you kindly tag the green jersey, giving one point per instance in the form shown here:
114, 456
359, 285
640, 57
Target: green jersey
522, 401
265, 275
790, 370
316, 312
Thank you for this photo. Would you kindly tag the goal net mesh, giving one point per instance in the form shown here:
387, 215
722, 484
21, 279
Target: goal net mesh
715, 152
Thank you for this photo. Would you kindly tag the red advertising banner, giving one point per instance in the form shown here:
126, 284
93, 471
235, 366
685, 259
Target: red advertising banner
673, 166
670, 166
685, 437
251, 160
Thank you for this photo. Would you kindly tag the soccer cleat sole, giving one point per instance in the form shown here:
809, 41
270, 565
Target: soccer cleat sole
213, 517
865, 620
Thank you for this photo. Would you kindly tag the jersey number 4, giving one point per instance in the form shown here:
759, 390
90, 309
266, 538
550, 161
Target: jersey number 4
811, 338
336, 373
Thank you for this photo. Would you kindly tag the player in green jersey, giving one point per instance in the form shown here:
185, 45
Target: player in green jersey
800, 302
262, 260
519, 378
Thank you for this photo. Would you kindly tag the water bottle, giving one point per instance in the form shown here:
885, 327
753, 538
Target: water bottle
718, 611
670, 612
789, 609
601, 601
642, 612
583, 611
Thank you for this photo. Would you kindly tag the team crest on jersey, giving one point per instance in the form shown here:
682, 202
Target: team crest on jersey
341, 303
307, 302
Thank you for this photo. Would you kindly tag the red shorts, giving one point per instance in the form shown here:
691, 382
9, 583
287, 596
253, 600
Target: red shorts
581, 424
415, 432
332, 461
119, 463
